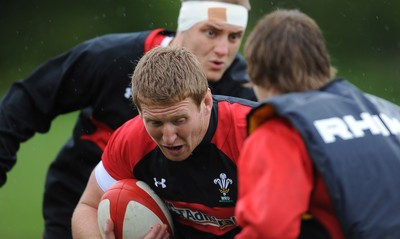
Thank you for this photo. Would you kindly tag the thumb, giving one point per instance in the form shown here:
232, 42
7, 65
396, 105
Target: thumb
109, 229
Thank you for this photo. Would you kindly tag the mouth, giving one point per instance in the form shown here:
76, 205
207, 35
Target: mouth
173, 148
175, 153
217, 65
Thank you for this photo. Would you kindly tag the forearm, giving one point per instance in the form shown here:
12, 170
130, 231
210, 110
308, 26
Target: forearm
21, 116
84, 219
84, 222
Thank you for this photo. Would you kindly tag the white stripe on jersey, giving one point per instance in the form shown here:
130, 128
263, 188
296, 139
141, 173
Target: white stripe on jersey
103, 178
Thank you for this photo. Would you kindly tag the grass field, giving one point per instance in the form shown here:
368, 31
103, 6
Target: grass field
21, 197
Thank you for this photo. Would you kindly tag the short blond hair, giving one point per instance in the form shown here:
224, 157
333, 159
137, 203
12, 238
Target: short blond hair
167, 75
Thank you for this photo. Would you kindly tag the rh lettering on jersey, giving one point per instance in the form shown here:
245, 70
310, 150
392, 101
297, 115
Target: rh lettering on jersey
348, 127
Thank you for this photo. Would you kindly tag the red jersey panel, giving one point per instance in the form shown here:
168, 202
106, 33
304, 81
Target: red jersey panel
268, 209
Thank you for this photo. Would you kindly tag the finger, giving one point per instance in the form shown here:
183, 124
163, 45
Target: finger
165, 233
109, 229
158, 232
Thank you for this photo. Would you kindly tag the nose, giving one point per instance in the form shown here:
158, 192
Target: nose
222, 47
169, 134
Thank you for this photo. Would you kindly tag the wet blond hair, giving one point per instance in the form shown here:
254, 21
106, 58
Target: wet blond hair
286, 52
167, 75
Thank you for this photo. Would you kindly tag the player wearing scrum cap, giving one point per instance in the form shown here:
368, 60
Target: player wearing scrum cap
93, 78
213, 31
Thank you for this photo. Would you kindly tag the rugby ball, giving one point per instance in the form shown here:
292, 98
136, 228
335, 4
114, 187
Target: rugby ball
134, 208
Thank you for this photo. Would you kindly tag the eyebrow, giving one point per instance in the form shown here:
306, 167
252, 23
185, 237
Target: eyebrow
218, 28
171, 118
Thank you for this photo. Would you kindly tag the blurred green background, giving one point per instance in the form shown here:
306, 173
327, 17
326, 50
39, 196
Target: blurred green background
363, 38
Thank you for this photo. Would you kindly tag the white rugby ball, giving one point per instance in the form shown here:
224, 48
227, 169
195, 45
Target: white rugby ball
134, 208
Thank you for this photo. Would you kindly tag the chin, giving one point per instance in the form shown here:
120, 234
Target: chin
176, 158
214, 77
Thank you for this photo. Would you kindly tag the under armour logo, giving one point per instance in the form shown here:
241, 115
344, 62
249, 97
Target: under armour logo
160, 183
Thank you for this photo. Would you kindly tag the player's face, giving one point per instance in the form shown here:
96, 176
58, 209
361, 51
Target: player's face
179, 128
214, 43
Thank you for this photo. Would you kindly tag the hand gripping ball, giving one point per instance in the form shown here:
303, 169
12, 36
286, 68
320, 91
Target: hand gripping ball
134, 208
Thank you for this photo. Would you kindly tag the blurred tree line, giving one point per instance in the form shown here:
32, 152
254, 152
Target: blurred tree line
363, 37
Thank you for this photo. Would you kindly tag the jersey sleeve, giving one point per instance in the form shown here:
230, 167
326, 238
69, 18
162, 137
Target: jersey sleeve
126, 147
116, 155
64, 84
276, 181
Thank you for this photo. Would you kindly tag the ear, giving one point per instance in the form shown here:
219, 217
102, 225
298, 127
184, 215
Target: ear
208, 101
178, 39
